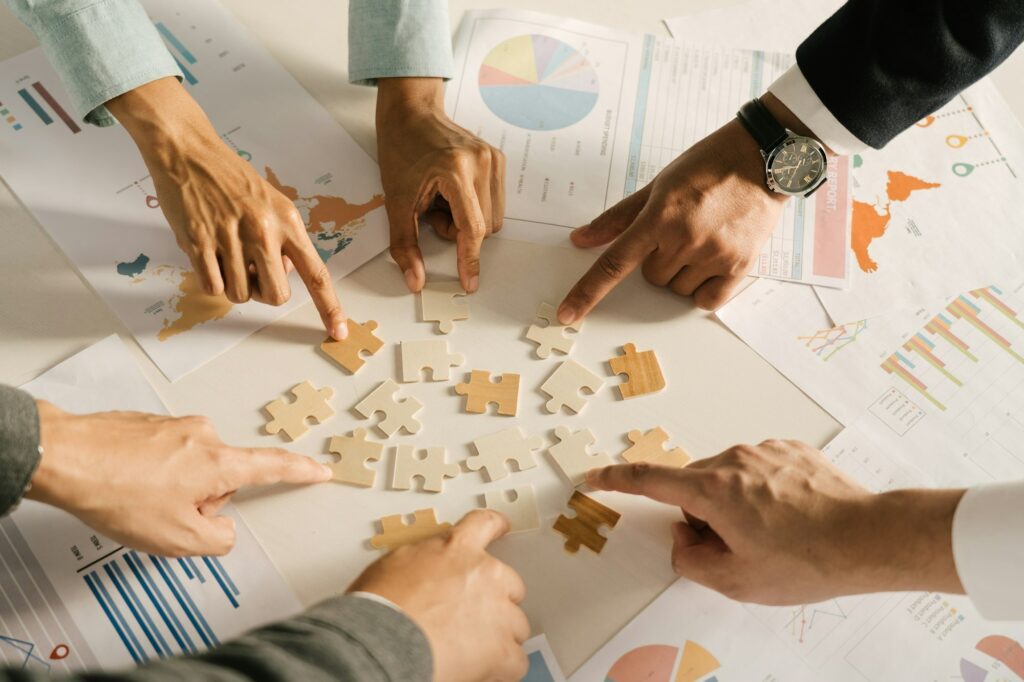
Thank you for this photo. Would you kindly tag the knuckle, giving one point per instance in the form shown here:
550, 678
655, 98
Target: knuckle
610, 265
320, 278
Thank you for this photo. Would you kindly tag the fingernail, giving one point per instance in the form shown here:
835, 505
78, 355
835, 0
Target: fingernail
340, 331
566, 315
326, 472
474, 284
410, 279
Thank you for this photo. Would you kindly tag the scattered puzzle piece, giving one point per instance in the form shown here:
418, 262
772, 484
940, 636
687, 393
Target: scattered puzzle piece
566, 382
518, 504
395, 532
431, 354
641, 369
584, 529
650, 447
309, 403
495, 450
355, 451
397, 413
481, 391
553, 335
571, 455
347, 352
428, 464
438, 304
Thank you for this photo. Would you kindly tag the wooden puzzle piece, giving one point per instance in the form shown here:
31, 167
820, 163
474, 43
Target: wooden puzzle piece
571, 455
641, 369
398, 414
348, 352
430, 354
495, 450
518, 504
583, 530
309, 403
650, 447
566, 382
395, 531
438, 303
481, 391
428, 464
553, 335
354, 452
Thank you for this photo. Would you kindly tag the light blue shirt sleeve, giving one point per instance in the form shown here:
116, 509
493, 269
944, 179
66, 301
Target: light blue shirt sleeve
100, 49
396, 38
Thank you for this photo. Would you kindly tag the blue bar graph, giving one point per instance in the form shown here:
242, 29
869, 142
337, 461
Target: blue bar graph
142, 617
220, 581
195, 569
173, 40
189, 78
159, 603
184, 601
40, 112
114, 616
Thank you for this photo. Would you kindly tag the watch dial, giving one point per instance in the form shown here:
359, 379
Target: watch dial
798, 165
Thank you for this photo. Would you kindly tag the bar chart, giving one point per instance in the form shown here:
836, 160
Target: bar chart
38, 100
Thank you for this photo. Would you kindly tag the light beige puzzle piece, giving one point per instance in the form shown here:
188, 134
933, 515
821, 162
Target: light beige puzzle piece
554, 335
428, 464
395, 531
438, 303
497, 449
348, 352
650, 447
398, 413
481, 391
564, 386
643, 373
583, 530
309, 403
429, 354
571, 456
354, 452
518, 504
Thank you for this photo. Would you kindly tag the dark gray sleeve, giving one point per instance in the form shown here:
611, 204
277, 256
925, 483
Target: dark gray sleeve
344, 638
19, 445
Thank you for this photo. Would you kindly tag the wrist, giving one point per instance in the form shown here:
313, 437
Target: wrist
905, 542
398, 98
745, 161
46, 485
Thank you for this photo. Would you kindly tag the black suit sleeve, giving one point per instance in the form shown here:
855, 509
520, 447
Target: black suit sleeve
882, 65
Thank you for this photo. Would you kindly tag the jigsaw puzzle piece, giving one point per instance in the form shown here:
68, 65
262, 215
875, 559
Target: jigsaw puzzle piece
481, 391
430, 354
428, 464
354, 452
395, 531
564, 386
583, 530
518, 504
309, 403
441, 302
650, 447
572, 457
398, 413
641, 369
553, 335
348, 351
497, 449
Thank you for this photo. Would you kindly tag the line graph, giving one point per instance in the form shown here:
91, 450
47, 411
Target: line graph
825, 343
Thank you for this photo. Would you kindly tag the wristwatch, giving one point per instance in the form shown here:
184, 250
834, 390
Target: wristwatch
794, 164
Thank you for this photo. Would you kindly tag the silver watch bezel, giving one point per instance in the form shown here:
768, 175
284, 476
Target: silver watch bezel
790, 139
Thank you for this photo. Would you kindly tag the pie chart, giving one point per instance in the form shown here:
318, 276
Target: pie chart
538, 82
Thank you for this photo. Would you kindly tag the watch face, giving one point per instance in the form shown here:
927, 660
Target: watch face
797, 165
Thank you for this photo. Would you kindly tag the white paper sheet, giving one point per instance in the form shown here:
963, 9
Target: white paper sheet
769, 25
691, 634
90, 189
587, 115
72, 599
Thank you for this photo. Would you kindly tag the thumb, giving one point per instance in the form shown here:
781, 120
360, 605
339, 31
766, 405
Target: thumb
613, 222
678, 487
698, 557
216, 535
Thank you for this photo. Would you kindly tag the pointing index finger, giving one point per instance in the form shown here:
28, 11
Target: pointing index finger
678, 487
318, 281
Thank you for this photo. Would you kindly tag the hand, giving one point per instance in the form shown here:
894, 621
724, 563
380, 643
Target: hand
464, 600
697, 228
778, 524
240, 234
154, 483
432, 168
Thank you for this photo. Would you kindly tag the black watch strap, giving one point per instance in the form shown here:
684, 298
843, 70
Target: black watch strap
762, 126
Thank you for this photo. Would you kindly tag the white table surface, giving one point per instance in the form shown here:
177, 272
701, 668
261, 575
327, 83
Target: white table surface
727, 395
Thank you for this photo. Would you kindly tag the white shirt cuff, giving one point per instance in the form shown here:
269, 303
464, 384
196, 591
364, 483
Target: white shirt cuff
988, 548
796, 93
379, 599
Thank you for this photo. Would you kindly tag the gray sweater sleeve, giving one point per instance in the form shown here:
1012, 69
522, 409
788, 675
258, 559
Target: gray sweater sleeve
19, 445
345, 638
